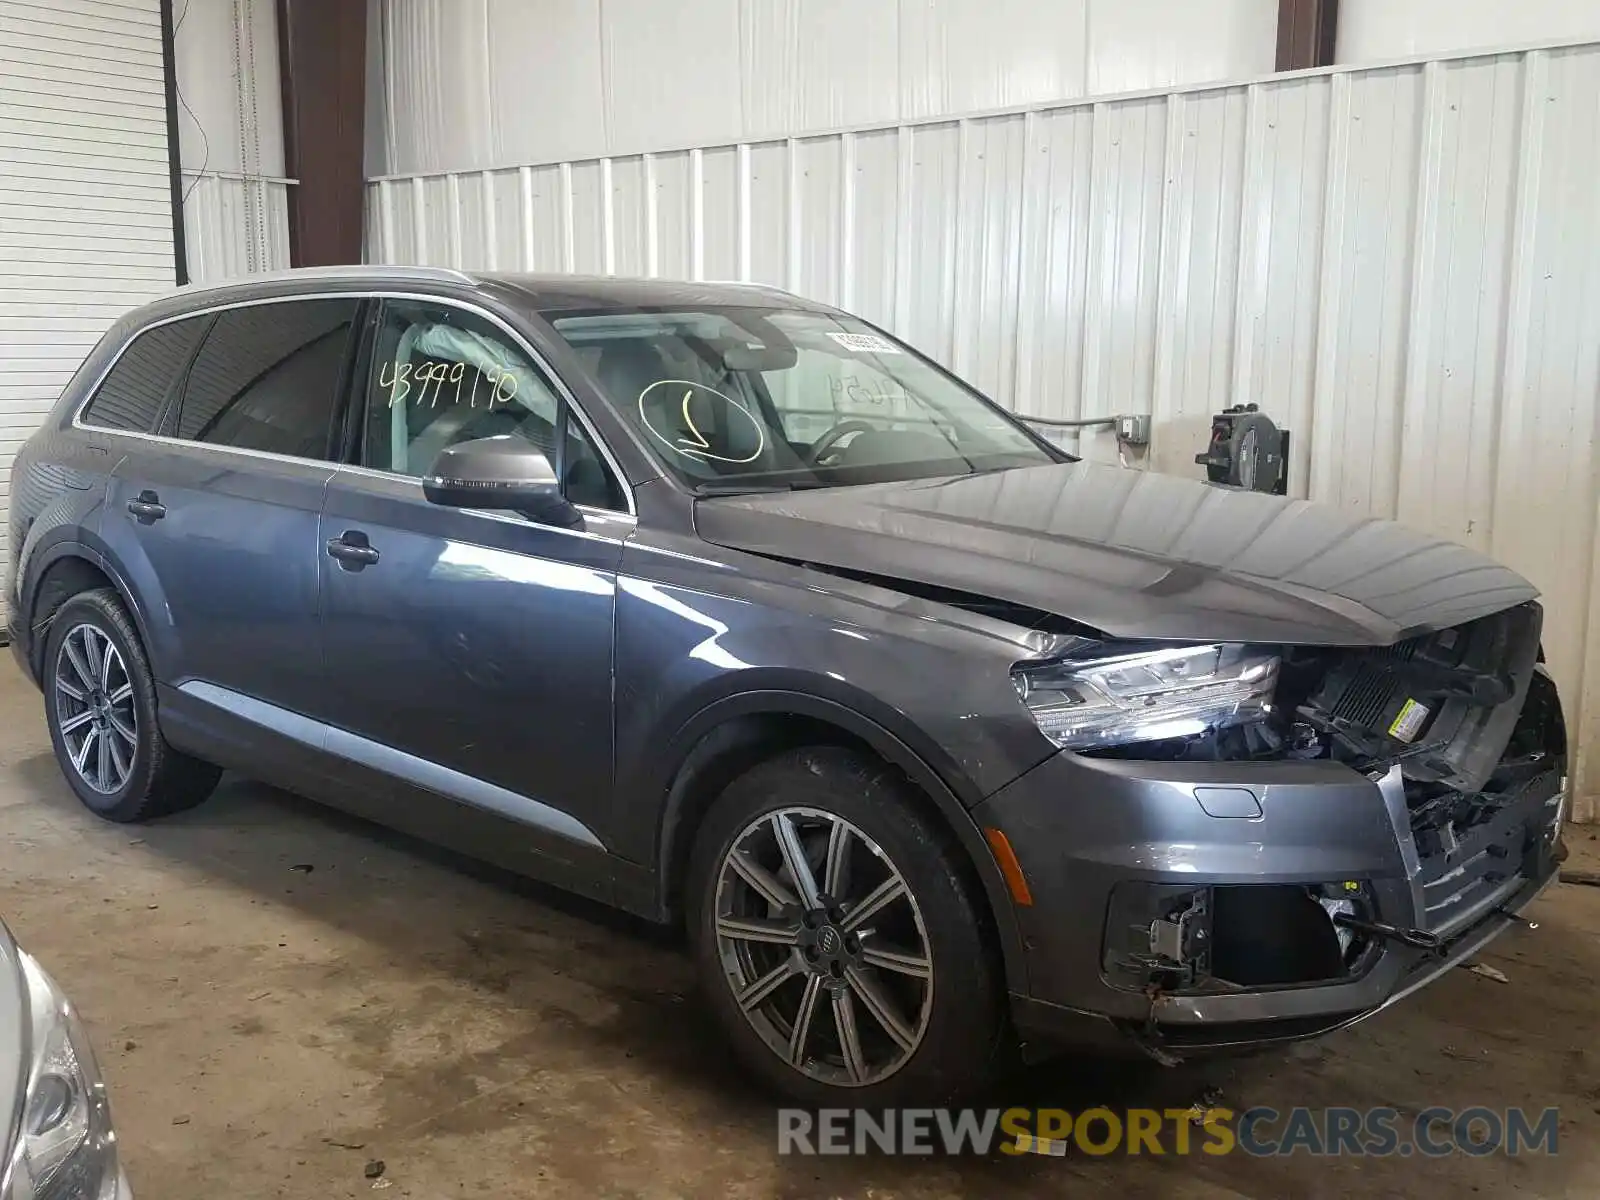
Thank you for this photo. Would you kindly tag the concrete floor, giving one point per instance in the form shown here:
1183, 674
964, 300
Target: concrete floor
279, 995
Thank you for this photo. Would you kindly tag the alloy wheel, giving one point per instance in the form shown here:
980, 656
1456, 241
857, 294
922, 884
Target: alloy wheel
824, 947
95, 716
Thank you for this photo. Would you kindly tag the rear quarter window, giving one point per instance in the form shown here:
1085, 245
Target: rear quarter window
268, 377
132, 394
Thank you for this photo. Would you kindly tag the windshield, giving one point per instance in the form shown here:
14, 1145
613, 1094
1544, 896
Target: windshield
735, 398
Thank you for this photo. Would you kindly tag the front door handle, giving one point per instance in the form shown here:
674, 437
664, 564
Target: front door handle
147, 507
352, 550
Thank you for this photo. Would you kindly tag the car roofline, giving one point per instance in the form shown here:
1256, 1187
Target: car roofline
373, 273
553, 292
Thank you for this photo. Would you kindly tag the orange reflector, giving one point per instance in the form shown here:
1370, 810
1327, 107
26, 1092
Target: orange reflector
1009, 866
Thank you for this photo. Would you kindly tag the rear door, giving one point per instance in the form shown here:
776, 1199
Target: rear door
216, 517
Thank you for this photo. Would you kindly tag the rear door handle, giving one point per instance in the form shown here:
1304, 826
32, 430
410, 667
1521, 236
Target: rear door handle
147, 507
352, 550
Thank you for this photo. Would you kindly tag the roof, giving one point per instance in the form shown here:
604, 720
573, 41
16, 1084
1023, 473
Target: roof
545, 293
366, 274
555, 292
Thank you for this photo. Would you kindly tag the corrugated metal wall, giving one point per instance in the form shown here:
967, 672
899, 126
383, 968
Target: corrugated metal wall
1370, 30
230, 123
235, 224
467, 84
1400, 264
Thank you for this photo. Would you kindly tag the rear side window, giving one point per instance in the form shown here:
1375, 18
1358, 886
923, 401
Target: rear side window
268, 377
131, 396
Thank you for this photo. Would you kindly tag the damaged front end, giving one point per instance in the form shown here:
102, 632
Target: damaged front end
1468, 723
1288, 902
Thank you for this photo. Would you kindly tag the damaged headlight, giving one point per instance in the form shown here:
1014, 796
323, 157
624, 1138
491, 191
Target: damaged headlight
1116, 698
65, 1147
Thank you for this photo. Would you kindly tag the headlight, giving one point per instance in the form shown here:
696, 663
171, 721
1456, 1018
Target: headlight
1140, 697
66, 1149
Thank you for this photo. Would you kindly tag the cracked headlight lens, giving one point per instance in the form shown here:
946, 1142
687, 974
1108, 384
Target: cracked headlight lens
66, 1148
1117, 698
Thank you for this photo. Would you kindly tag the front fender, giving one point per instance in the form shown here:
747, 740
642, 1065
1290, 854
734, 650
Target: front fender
933, 699
941, 688
904, 749
776, 691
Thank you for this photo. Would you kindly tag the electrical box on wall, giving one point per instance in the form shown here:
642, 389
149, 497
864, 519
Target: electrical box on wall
1133, 430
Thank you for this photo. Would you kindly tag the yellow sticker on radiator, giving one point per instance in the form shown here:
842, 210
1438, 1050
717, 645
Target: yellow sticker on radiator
1408, 723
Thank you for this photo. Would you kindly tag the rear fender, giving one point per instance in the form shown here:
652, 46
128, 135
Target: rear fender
82, 543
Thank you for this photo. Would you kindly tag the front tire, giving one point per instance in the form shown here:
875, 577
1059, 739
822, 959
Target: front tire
837, 937
100, 706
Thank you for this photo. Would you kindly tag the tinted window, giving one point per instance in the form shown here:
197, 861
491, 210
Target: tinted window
267, 377
442, 375
131, 396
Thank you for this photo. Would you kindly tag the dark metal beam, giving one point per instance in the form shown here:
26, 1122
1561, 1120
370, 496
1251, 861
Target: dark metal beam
169, 76
1307, 32
323, 51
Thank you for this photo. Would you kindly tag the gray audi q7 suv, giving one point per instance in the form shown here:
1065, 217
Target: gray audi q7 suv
727, 607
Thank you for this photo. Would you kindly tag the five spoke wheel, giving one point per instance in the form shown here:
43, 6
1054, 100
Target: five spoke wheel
824, 946
94, 709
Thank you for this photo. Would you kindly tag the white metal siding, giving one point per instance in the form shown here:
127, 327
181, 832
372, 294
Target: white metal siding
234, 224
230, 122
464, 84
85, 200
1372, 30
230, 116
1401, 265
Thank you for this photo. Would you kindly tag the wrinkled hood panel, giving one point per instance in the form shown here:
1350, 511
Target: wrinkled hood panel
1134, 554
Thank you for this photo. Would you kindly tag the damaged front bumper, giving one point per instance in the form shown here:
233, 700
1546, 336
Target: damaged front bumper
1199, 906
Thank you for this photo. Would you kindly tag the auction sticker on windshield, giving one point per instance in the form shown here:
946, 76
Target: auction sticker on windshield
864, 343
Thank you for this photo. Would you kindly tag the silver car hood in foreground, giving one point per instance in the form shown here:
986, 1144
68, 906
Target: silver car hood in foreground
1133, 554
13, 1035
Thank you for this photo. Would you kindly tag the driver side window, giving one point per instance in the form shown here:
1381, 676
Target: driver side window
442, 375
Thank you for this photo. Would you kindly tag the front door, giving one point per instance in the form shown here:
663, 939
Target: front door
467, 653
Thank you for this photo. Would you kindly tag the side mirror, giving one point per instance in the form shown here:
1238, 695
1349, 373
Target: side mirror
502, 472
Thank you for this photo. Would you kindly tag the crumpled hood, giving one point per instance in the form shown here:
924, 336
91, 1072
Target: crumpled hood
1133, 554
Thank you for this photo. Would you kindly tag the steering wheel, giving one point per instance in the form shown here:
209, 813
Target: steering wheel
834, 435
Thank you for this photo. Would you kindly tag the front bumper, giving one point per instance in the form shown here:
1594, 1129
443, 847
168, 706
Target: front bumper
1081, 827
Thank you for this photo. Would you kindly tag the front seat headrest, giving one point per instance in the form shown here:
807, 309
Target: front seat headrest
628, 366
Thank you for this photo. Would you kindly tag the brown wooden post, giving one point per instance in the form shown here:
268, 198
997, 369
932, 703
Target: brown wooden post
1307, 31
323, 64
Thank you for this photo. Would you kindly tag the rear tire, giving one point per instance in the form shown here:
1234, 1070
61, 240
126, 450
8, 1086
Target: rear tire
901, 1002
100, 706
